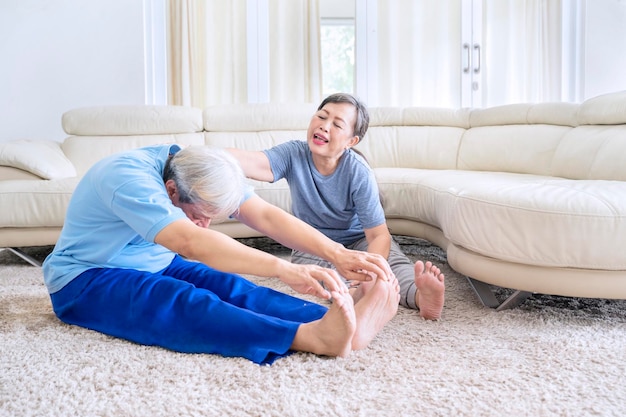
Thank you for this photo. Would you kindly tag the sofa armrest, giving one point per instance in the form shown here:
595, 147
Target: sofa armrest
42, 158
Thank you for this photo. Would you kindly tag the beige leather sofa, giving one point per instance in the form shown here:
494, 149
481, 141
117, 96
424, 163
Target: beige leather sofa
530, 197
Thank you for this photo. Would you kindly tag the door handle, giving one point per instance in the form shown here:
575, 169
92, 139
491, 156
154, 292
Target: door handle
477, 60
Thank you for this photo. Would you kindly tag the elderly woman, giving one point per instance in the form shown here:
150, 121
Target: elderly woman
136, 260
334, 190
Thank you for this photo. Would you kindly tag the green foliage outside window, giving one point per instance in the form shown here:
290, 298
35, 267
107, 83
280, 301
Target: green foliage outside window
337, 58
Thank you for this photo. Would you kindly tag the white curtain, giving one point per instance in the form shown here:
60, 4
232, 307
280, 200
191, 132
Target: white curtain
208, 55
419, 52
522, 51
295, 57
207, 52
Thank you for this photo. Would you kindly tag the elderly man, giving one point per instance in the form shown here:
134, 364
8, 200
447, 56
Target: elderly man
136, 260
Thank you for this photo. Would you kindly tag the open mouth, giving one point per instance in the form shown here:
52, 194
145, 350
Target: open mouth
319, 139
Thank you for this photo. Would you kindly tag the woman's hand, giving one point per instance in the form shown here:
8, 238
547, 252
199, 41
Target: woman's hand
362, 266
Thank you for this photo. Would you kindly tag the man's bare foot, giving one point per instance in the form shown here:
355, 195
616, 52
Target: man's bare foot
431, 290
358, 289
375, 308
332, 334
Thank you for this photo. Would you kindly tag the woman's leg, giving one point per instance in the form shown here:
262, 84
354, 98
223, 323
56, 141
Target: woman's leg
422, 285
404, 270
303, 258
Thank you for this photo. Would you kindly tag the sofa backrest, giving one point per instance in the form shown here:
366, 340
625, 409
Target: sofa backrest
414, 137
255, 126
595, 148
97, 132
578, 141
258, 127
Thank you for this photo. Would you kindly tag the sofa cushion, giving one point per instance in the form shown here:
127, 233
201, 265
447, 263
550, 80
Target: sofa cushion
43, 158
433, 147
276, 193
592, 152
543, 221
607, 109
411, 194
35, 203
521, 218
524, 149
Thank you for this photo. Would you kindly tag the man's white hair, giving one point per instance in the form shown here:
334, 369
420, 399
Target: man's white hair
207, 176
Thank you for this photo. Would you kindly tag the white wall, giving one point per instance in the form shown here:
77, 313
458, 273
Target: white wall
605, 47
338, 9
61, 54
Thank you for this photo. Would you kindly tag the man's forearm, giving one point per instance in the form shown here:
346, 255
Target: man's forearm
293, 233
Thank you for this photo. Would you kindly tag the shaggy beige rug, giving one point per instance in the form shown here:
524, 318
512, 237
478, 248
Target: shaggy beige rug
552, 356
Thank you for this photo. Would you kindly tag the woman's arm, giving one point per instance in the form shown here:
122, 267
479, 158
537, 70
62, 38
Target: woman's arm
378, 240
223, 253
296, 234
255, 164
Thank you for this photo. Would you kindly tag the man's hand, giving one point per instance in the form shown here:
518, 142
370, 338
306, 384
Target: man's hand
305, 279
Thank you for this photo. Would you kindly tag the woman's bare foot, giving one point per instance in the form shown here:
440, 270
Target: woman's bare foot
431, 290
375, 308
332, 334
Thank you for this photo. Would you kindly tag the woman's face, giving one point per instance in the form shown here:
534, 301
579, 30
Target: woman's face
331, 130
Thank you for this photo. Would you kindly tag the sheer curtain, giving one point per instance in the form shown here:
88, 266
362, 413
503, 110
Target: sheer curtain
207, 52
209, 60
295, 56
522, 51
419, 57
419, 52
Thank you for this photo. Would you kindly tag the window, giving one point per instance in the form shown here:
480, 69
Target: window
337, 48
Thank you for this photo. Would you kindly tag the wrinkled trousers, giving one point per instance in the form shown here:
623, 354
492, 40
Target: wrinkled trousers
187, 307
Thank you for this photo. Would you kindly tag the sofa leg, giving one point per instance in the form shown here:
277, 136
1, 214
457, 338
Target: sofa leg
25, 256
486, 296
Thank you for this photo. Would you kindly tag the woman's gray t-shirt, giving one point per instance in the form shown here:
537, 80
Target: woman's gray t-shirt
341, 204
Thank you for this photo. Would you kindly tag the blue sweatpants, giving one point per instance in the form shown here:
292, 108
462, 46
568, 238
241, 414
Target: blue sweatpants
187, 307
